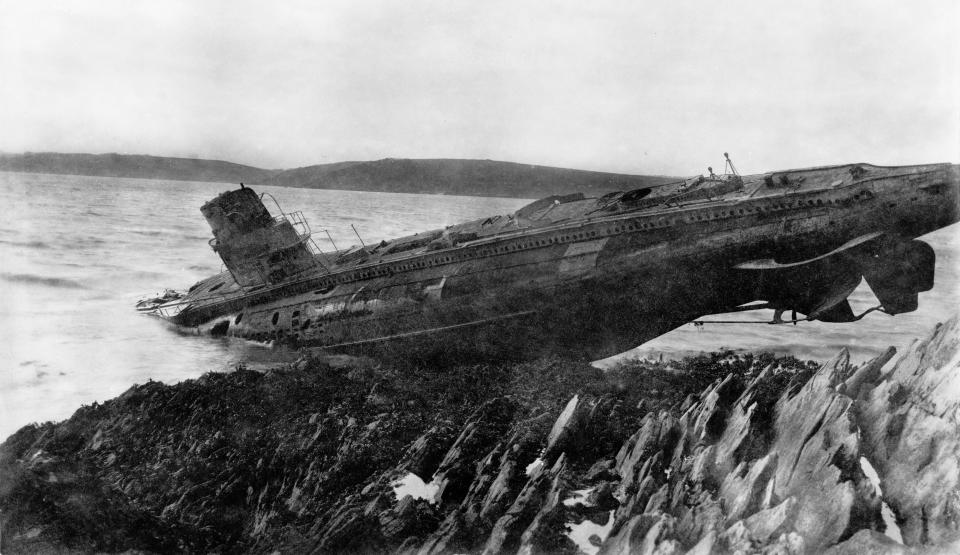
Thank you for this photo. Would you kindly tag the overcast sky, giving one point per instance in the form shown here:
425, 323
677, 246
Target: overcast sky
641, 87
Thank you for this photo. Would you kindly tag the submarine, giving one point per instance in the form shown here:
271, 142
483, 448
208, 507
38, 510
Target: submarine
584, 277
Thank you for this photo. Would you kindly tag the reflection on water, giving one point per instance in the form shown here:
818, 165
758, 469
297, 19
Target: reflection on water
76, 253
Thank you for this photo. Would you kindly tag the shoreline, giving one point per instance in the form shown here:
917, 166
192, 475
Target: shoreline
307, 457
437, 176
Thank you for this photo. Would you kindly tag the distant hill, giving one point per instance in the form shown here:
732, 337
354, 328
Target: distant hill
433, 176
133, 165
460, 177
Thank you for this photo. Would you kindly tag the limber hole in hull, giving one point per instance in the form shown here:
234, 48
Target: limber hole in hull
220, 328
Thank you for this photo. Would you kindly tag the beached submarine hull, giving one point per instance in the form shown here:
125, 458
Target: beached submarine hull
577, 276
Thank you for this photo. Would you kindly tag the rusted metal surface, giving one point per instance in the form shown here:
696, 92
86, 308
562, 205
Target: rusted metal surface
585, 276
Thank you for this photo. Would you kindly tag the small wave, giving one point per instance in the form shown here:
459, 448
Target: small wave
163, 232
31, 363
145, 274
42, 280
39, 245
201, 268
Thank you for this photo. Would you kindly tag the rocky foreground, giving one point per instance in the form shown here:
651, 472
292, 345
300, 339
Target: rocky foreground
716, 454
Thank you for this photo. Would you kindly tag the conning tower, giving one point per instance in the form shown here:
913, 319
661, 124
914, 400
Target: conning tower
257, 248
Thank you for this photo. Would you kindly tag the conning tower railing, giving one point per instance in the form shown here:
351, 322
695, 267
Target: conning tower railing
299, 223
257, 247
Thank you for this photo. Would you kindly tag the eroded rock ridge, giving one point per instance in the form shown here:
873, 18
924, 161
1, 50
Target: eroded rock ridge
720, 454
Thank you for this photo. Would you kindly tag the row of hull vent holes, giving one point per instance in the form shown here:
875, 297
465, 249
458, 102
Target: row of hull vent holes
276, 319
306, 324
578, 236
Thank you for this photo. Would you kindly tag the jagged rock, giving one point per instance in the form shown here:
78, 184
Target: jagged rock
410, 517
743, 436
766, 459
703, 518
425, 453
644, 534
774, 521
658, 501
497, 498
737, 539
712, 410
602, 496
567, 425
635, 504
601, 470
542, 535
869, 541
381, 502
705, 545
745, 488
508, 529
481, 431
498, 478
634, 461
910, 422
864, 378
809, 457
447, 538
688, 401
348, 528
818, 459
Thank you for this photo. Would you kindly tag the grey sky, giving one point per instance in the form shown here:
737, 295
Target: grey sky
640, 87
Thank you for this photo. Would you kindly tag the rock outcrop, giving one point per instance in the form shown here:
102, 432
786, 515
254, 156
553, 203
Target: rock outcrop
909, 416
718, 454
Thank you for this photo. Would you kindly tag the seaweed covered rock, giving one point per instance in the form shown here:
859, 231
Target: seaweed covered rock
715, 454
301, 457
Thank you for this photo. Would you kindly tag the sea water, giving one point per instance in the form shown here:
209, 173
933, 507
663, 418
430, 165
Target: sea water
76, 253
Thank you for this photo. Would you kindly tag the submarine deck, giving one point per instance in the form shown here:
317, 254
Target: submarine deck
721, 202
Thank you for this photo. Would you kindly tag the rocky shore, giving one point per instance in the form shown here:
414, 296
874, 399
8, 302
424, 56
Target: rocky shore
717, 454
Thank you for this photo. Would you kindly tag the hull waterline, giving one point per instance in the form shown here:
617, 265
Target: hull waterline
584, 277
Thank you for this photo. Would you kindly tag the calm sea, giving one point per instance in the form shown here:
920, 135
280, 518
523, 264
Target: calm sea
76, 253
